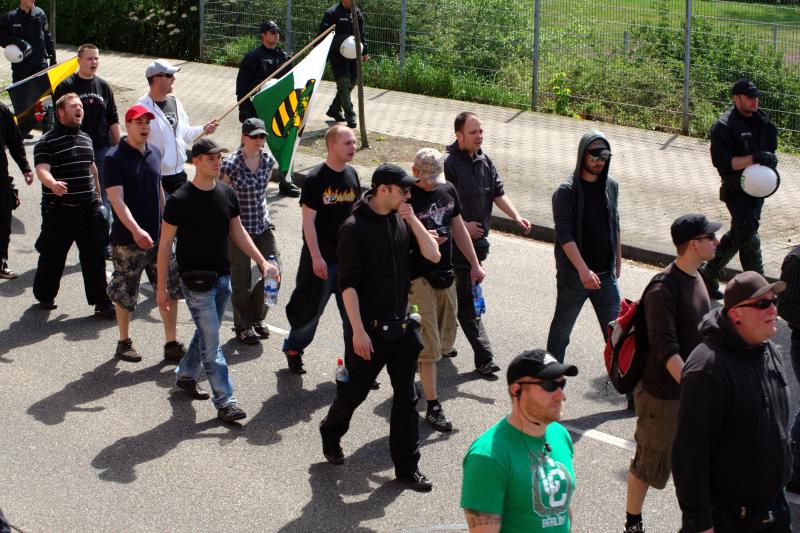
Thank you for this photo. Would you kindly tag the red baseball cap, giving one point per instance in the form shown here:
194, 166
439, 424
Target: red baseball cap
138, 111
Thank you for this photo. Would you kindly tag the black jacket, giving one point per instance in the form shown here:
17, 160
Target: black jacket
256, 65
568, 208
789, 302
340, 16
17, 26
734, 135
374, 259
732, 444
10, 138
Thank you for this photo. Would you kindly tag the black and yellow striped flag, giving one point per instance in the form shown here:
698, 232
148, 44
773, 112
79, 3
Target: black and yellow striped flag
25, 94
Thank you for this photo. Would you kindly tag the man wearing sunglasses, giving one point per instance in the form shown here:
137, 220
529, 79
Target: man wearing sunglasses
789, 310
171, 131
518, 475
742, 136
731, 458
587, 249
674, 304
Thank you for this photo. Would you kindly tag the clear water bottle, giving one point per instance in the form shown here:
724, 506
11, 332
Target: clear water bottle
342, 375
414, 314
477, 300
271, 285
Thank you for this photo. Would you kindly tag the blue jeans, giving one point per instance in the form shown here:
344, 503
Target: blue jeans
207, 309
299, 338
570, 298
794, 352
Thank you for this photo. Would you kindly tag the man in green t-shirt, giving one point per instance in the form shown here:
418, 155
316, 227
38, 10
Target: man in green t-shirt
518, 475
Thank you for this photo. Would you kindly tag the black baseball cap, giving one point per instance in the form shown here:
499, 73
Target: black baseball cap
389, 174
538, 364
269, 25
747, 285
206, 145
687, 227
746, 87
253, 126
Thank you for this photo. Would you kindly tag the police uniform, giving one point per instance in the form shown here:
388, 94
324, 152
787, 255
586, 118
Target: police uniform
17, 26
735, 135
256, 65
344, 70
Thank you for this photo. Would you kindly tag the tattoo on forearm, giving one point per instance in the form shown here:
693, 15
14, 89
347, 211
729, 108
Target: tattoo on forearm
476, 518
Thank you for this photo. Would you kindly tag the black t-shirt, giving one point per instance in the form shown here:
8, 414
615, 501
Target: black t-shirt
170, 109
139, 175
202, 218
99, 108
435, 209
332, 195
596, 241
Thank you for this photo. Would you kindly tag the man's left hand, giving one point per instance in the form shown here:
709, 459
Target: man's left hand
524, 224
268, 270
476, 274
365, 57
28, 177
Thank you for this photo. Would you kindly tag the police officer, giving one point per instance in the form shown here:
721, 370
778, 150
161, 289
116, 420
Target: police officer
256, 65
27, 28
344, 70
742, 136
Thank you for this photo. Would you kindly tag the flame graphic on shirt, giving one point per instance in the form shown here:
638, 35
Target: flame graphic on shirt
332, 196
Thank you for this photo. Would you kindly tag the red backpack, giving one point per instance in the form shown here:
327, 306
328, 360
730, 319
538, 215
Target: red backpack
627, 344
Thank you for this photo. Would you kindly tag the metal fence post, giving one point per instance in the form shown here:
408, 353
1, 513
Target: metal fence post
625, 43
201, 12
774, 36
537, 7
403, 15
289, 36
687, 61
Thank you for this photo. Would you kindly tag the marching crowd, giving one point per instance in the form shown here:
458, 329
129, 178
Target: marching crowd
712, 404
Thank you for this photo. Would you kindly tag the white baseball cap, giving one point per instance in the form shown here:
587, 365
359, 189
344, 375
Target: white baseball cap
160, 66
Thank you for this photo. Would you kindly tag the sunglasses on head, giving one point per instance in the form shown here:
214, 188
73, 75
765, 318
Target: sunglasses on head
258, 136
599, 154
549, 385
760, 304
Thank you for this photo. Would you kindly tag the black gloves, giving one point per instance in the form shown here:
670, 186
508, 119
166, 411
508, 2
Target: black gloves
53, 59
767, 159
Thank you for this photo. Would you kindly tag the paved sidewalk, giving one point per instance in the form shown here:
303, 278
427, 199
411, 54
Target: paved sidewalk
661, 175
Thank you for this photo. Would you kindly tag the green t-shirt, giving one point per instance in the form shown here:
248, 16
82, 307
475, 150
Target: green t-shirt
498, 470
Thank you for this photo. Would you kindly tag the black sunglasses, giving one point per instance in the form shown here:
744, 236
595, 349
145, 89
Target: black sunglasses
599, 154
162, 75
760, 304
258, 136
549, 386
404, 190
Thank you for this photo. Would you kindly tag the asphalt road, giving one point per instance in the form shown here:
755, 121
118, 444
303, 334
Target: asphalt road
90, 443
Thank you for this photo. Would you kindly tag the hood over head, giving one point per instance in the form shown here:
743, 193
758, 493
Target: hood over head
588, 138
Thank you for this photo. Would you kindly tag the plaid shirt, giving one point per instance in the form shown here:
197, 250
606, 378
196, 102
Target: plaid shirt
251, 189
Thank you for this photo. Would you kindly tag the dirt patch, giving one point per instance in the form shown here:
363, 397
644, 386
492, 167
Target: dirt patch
382, 149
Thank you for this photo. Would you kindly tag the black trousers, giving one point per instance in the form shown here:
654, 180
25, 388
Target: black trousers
727, 518
61, 227
173, 182
7, 202
471, 325
400, 359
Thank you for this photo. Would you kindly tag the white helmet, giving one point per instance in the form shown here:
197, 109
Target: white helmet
348, 48
760, 181
13, 53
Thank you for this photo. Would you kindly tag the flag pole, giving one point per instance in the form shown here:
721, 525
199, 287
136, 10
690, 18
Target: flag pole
280, 69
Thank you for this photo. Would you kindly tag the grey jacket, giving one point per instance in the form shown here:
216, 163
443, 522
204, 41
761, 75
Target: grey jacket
568, 207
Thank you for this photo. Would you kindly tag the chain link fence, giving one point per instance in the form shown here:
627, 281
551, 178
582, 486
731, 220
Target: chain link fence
656, 64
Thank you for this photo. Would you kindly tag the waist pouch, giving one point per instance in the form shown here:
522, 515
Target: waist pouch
199, 280
766, 517
389, 330
440, 280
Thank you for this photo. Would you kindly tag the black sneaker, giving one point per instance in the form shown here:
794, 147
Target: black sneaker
193, 389
230, 413
416, 481
174, 351
289, 189
351, 124
126, 351
5, 272
487, 369
435, 417
338, 117
48, 305
247, 336
261, 330
452, 353
105, 311
334, 456
295, 361
638, 527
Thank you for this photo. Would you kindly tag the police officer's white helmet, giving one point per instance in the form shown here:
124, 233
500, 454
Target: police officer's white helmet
13, 53
348, 48
760, 181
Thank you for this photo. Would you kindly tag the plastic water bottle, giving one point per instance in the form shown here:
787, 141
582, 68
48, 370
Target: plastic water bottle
271, 285
477, 300
342, 375
414, 314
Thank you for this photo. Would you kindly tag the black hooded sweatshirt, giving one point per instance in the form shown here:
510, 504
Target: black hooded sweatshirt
732, 444
374, 258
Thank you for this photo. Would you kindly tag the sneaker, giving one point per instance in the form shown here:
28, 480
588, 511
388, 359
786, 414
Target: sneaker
126, 352
452, 353
289, 189
638, 527
416, 481
295, 361
48, 305
261, 330
174, 351
438, 421
351, 124
230, 413
487, 369
5, 272
247, 336
334, 456
193, 389
105, 311
338, 117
